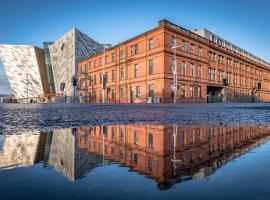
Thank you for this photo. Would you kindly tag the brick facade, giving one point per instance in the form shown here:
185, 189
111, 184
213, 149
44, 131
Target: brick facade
141, 67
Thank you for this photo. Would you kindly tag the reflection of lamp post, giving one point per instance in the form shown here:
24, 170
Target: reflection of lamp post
174, 160
62, 87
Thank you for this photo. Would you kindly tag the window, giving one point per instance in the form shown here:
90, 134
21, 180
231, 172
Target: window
122, 91
134, 49
183, 68
113, 57
113, 75
173, 41
122, 54
100, 61
122, 73
150, 140
199, 92
191, 91
192, 48
95, 79
136, 138
135, 158
136, 70
209, 74
113, 94
199, 72
200, 51
191, 69
100, 78
138, 92
151, 90
183, 91
213, 75
151, 43
95, 64
106, 59
218, 75
151, 67
173, 64
90, 65
183, 46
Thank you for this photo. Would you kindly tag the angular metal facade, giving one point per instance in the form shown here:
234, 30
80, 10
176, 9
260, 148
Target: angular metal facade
25, 69
65, 55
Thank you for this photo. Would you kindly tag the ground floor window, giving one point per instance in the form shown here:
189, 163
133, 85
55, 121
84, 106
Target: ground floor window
138, 92
122, 92
183, 91
151, 90
199, 92
191, 91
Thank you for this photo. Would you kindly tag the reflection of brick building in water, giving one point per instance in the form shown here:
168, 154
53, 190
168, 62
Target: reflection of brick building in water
168, 153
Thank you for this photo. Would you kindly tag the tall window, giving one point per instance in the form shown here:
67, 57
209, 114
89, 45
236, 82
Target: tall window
183, 68
90, 65
95, 79
150, 140
134, 49
100, 78
136, 70
191, 91
122, 91
173, 41
209, 74
113, 94
136, 137
122, 73
191, 69
183, 91
100, 61
199, 92
151, 90
192, 47
95, 64
183, 46
200, 51
173, 64
151, 43
199, 71
122, 54
113, 75
151, 67
113, 57
106, 59
138, 92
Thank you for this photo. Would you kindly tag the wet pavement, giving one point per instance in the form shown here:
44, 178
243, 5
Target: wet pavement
186, 151
26, 117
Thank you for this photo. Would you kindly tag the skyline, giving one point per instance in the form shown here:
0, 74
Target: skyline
48, 21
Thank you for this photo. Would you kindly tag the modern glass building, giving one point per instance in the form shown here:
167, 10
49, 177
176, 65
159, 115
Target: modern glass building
49, 66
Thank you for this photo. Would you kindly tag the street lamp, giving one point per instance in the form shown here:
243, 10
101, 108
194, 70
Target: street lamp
174, 71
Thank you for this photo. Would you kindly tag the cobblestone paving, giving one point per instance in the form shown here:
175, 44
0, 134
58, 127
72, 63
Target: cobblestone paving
16, 118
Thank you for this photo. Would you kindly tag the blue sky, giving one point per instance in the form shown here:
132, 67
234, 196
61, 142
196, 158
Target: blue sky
243, 22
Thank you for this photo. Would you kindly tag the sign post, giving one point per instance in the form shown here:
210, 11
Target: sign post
74, 83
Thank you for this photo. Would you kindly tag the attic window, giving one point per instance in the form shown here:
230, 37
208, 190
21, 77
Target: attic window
62, 47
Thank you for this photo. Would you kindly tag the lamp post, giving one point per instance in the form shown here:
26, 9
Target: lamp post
174, 71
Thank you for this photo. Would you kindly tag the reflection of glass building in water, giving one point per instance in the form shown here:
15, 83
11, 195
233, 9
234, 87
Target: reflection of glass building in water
21, 150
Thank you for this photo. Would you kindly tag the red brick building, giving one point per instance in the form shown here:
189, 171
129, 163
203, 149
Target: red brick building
140, 69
